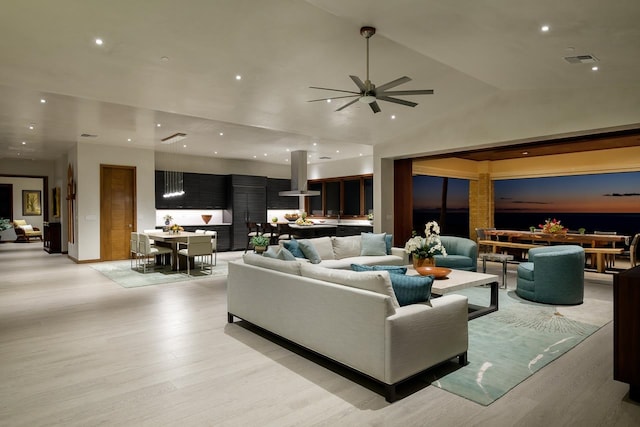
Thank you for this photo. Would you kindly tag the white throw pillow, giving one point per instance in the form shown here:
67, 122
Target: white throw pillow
346, 247
26, 227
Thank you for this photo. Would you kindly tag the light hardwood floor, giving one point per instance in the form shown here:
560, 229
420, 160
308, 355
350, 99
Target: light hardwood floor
78, 349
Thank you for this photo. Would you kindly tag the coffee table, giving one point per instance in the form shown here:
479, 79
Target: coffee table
460, 279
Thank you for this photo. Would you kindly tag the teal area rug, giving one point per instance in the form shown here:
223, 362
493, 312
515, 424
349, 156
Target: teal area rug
122, 273
508, 346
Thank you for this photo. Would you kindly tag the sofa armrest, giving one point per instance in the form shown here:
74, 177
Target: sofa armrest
422, 335
401, 253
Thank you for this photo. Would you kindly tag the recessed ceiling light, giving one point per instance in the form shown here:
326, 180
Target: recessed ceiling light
265, 154
24, 143
524, 153
184, 146
32, 127
238, 77
393, 117
215, 152
360, 154
286, 160
99, 42
315, 143
158, 125
43, 101
337, 151
328, 101
288, 150
128, 139
594, 68
545, 28
221, 133
255, 157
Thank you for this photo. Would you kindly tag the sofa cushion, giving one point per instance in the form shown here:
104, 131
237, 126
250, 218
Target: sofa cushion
525, 270
388, 238
411, 289
390, 268
454, 261
27, 227
323, 247
346, 247
373, 244
290, 267
345, 263
293, 247
374, 281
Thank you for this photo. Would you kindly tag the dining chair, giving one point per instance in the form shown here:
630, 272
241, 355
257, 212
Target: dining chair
610, 259
214, 245
197, 246
150, 230
633, 250
146, 251
271, 231
133, 249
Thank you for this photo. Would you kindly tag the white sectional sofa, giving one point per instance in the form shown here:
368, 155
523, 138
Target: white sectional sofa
350, 317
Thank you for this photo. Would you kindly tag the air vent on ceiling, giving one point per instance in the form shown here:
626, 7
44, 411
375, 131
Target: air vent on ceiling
581, 59
88, 135
174, 138
324, 158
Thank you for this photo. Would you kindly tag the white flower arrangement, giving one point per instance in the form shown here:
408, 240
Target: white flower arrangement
426, 247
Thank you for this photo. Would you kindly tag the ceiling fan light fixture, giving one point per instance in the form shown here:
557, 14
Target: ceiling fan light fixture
367, 99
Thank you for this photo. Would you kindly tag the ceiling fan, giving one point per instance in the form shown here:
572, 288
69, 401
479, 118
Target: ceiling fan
369, 93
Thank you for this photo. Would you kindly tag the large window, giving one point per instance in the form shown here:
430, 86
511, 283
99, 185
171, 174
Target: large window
344, 197
428, 201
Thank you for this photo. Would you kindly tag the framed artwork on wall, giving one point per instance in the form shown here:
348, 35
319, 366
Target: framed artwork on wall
31, 203
56, 201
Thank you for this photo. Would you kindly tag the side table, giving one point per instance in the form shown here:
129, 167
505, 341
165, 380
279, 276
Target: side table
503, 258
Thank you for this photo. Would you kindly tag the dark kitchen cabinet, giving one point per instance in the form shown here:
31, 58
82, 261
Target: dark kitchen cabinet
274, 200
202, 191
247, 203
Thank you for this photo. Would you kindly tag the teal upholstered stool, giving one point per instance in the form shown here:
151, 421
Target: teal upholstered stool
462, 253
553, 275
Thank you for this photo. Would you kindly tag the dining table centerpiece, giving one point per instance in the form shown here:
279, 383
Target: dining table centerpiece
423, 249
175, 229
553, 226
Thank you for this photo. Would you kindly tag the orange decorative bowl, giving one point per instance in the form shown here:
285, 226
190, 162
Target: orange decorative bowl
437, 272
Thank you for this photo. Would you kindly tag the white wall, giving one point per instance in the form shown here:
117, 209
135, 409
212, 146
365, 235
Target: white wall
90, 157
357, 166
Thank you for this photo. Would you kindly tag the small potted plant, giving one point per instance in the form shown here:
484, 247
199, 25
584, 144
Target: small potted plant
259, 243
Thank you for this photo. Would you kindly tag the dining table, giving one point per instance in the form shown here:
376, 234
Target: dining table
172, 240
597, 246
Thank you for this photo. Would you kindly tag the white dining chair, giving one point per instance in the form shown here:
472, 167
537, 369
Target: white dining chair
197, 246
151, 230
214, 245
147, 251
133, 249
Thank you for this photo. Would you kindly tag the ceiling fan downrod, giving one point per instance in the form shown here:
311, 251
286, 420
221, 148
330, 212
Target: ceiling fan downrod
367, 32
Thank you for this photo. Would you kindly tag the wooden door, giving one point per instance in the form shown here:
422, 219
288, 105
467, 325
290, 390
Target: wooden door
117, 210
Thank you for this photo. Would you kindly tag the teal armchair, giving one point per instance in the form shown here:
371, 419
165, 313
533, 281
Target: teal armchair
462, 253
553, 275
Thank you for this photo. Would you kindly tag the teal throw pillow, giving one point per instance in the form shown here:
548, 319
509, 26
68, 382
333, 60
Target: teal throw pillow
309, 251
411, 289
293, 247
387, 240
373, 244
390, 268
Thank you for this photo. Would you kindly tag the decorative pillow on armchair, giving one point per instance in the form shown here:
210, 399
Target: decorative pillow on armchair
27, 227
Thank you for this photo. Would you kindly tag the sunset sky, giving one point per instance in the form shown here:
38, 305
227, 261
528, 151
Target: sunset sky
612, 193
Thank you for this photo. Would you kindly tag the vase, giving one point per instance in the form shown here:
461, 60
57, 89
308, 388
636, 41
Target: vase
206, 218
424, 262
260, 249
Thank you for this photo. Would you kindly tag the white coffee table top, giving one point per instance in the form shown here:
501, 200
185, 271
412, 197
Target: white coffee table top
458, 279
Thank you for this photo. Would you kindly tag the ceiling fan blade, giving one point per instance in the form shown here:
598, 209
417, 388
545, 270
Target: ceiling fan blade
335, 90
334, 97
347, 104
359, 83
397, 101
375, 107
407, 92
393, 83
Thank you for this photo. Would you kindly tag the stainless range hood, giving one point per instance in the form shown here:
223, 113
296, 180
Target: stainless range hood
299, 176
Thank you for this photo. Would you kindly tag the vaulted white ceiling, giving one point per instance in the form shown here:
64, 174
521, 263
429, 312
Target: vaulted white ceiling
497, 77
